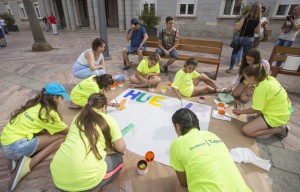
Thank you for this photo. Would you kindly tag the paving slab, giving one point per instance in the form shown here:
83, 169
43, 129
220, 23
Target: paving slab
283, 181
285, 159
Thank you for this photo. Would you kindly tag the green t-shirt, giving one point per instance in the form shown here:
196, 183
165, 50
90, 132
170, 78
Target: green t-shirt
72, 169
184, 82
271, 99
144, 69
82, 91
27, 124
207, 163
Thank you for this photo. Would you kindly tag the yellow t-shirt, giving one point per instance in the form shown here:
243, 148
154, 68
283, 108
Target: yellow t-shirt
72, 169
27, 124
207, 163
144, 69
271, 99
82, 91
184, 82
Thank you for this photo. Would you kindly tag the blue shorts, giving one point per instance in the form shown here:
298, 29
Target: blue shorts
134, 49
173, 53
21, 148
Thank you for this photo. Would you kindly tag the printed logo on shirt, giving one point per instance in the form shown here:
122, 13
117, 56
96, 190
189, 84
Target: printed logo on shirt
207, 142
28, 116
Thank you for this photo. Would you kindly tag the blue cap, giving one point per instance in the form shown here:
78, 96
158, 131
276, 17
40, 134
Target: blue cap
56, 89
134, 20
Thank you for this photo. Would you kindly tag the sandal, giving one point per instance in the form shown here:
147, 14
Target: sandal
284, 131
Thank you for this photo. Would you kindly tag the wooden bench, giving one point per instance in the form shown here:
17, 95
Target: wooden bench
280, 54
206, 52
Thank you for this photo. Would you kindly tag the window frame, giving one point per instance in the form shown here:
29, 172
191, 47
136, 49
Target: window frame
221, 14
23, 15
149, 2
7, 8
286, 11
37, 9
186, 14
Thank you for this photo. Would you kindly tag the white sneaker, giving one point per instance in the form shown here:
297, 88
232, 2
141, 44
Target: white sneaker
22, 170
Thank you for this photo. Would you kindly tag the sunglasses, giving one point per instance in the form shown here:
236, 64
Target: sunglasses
135, 23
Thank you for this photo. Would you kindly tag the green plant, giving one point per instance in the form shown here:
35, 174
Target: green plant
9, 19
147, 18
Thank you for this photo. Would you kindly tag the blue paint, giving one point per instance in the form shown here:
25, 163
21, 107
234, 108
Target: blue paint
188, 106
132, 94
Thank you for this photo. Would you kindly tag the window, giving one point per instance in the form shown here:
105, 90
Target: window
22, 11
186, 7
149, 5
231, 7
285, 9
7, 9
38, 11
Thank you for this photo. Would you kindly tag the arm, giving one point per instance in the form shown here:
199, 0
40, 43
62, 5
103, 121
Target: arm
91, 60
128, 37
238, 26
176, 41
257, 29
182, 178
245, 111
295, 27
120, 146
140, 77
179, 96
143, 41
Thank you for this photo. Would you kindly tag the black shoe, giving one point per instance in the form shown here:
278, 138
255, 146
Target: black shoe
164, 69
126, 67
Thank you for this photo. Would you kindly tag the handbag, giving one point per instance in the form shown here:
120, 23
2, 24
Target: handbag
235, 43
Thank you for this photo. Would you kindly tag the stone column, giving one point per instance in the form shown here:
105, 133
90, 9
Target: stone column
128, 13
95, 3
91, 14
121, 14
66, 14
71, 14
48, 7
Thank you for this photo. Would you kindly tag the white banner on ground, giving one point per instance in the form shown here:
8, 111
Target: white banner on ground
151, 114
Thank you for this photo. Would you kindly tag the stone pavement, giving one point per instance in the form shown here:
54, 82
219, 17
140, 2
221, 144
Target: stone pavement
22, 72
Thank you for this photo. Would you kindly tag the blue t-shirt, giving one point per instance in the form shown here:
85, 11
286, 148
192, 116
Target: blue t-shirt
137, 36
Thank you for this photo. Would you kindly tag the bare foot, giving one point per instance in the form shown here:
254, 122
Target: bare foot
132, 85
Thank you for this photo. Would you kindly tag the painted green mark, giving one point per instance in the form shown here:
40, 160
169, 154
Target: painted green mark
127, 129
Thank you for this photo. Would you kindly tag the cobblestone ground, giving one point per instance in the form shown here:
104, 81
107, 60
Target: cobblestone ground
22, 72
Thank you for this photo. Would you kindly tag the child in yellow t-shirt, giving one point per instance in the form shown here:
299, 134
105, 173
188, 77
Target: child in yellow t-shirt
147, 73
94, 84
239, 86
34, 131
270, 101
91, 155
201, 159
187, 79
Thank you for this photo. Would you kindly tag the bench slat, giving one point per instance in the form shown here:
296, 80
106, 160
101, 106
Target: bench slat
210, 50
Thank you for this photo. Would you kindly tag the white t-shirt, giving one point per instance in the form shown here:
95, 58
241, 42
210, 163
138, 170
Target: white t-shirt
290, 36
261, 32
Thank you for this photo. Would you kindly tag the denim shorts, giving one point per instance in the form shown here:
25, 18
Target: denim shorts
173, 53
21, 148
134, 49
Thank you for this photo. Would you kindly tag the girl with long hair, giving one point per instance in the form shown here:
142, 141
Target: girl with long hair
270, 102
34, 131
91, 155
249, 23
91, 61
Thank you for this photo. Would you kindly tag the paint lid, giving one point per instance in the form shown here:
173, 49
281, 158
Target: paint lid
149, 156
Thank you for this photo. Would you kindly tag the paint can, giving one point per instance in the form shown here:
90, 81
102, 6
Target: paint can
163, 90
142, 167
201, 99
120, 83
221, 106
169, 85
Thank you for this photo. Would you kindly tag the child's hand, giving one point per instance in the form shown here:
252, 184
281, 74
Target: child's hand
116, 105
229, 89
237, 111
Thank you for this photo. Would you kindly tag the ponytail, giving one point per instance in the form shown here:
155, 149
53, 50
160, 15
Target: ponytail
257, 70
87, 121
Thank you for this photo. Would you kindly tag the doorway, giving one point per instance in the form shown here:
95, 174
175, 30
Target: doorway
112, 18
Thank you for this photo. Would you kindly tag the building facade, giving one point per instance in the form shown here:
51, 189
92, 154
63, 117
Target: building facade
193, 18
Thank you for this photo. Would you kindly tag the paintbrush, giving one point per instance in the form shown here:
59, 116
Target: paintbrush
114, 96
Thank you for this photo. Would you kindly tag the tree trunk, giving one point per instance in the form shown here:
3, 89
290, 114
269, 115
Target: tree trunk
40, 43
